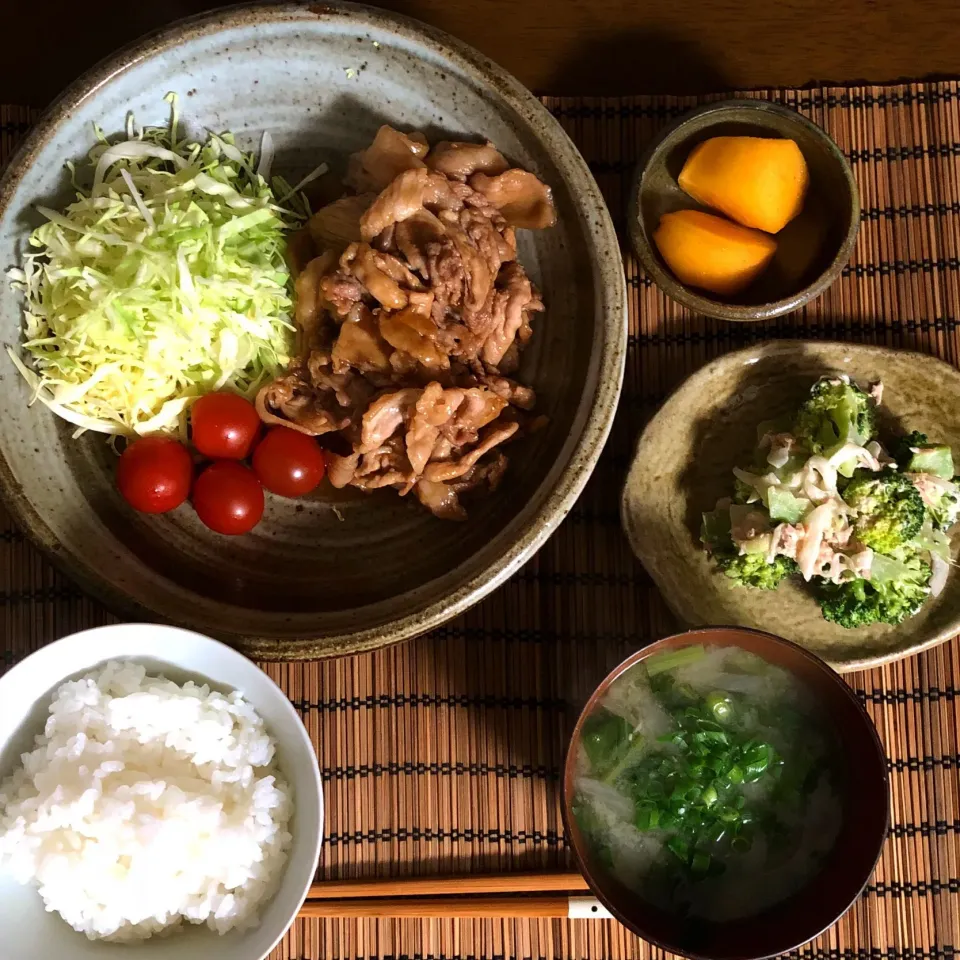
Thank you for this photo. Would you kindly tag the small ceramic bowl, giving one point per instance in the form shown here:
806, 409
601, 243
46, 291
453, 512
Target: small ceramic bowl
683, 464
829, 894
26, 691
811, 250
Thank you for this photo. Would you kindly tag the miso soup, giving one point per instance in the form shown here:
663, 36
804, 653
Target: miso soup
706, 782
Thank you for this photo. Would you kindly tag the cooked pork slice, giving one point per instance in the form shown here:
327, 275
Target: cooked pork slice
440, 499
388, 156
340, 470
439, 193
385, 466
413, 236
476, 275
338, 224
445, 272
477, 408
397, 270
408, 193
522, 199
342, 292
440, 471
514, 297
385, 415
509, 390
401, 199
483, 233
461, 160
414, 334
434, 407
443, 499
489, 474
458, 342
508, 243
360, 260
291, 402
359, 346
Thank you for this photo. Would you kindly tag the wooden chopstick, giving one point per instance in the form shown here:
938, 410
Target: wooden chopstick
473, 883
470, 906
471, 895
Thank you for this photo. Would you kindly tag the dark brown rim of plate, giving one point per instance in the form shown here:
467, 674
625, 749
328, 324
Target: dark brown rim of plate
610, 342
879, 820
687, 296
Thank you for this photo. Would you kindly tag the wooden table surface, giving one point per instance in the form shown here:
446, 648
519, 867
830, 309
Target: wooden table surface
563, 46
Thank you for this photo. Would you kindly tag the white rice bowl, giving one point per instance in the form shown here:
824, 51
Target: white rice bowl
146, 805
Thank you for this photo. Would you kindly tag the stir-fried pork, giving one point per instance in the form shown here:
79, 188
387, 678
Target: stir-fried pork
411, 318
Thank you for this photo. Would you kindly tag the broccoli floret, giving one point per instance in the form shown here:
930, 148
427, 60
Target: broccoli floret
752, 569
942, 498
946, 510
902, 450
882, 599
837, 412
858, 603
889, 509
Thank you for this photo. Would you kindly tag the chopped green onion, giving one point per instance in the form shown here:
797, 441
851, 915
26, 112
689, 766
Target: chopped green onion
721, 706
648, 818
700, 864
672, 659
679, 847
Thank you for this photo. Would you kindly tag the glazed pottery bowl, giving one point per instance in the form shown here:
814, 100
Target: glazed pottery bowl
811, 250
683, 464
862, 788
333, 573
26, 691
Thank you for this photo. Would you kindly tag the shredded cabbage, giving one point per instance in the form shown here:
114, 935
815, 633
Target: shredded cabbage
165, 281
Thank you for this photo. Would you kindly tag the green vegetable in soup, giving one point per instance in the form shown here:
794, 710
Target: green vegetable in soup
606, 740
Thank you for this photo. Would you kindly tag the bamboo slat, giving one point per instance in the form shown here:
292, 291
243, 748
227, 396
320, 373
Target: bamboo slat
443, 756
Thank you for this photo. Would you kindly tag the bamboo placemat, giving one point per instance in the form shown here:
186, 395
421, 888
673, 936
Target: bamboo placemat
444, 755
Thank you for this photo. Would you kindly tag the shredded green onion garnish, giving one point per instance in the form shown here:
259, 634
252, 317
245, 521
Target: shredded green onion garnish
164, 281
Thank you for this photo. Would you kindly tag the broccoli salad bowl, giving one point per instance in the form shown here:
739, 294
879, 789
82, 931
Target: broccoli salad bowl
807, 489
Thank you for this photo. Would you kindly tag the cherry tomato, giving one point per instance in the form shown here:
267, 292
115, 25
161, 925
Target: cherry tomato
288, 463
224, 426
228, 497
154, 474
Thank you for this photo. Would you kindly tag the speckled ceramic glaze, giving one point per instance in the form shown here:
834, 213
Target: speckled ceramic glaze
321, 577
811, 250
683, 464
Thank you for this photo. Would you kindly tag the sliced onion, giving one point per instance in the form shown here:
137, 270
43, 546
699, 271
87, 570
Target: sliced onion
940, 571
266, 156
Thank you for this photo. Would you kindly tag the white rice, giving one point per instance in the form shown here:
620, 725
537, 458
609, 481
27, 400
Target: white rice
145, 805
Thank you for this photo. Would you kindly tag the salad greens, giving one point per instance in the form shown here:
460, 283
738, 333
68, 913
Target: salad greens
865, 525
166, 279
724, 758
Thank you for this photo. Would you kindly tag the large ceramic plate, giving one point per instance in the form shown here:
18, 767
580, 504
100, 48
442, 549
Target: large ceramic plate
313, 580
682, 466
